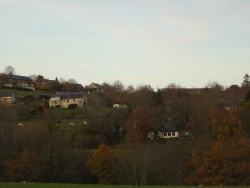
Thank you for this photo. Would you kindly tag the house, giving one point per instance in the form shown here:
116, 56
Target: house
54, 101
64, 100
165, 131
120, 106
7, 98
93, 87
168, 131
22, 82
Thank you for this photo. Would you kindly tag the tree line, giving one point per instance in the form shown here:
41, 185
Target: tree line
217, 152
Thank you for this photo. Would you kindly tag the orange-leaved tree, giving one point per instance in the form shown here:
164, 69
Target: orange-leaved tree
226, 161
26, 166
101, 164
137, 125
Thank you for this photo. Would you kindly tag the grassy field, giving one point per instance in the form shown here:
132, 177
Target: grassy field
55, 185
27, 92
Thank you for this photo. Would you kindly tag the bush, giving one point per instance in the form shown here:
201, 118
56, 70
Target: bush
72, 106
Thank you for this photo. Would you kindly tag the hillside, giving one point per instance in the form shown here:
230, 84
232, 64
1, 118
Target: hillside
56, 144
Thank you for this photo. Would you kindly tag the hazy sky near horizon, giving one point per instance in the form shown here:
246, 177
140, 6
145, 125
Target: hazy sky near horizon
156, 42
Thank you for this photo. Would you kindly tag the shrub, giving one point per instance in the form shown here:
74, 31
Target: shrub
72, 106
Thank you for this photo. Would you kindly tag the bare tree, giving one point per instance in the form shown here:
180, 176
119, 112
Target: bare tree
118, 85
9, 70
72, 81
33, 77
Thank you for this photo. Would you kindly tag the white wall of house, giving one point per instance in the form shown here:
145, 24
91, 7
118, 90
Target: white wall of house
64, 103
168, 134
120, 106
54, 101
26, 86
8, 100
21, 84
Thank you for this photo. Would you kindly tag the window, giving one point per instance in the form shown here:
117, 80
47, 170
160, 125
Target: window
164, 134
74, 100
173, 134
169, 134
67, 100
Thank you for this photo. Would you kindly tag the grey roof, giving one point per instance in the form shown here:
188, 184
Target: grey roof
78, 85
169, 128
93, 85
72, 96
69, 95
17, 77
97, 85
6, 93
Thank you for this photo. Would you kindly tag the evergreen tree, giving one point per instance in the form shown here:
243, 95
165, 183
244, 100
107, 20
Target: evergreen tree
159, 98
247, 98
246, 81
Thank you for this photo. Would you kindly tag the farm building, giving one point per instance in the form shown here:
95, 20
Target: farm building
64, 100
7, 98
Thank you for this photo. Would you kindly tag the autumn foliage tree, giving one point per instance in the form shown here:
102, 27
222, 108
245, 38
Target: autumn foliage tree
245, 115
101, 164
3, 79
226, 161
26, 166
137, 125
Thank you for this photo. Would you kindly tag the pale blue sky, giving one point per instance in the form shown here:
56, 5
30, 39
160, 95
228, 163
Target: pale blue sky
156, 42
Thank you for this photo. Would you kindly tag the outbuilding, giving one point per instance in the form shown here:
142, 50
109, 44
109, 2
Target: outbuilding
7, 97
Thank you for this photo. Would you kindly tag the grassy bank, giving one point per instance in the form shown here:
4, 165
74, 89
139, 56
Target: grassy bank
55, 185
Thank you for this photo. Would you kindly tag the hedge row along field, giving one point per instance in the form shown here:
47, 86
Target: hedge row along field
56, 185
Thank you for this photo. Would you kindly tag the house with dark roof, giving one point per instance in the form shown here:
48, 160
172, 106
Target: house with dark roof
64, 100
22, 82
93, 87
7, 97
167, 130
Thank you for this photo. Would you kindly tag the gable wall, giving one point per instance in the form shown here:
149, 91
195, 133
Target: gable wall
64, 103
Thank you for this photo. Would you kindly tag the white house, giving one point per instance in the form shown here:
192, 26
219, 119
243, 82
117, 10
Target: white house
120, 106
63, 100
165, 131
168, 131
22, 82
7, 98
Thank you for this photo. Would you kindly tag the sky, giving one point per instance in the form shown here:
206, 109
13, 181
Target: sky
149, 42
